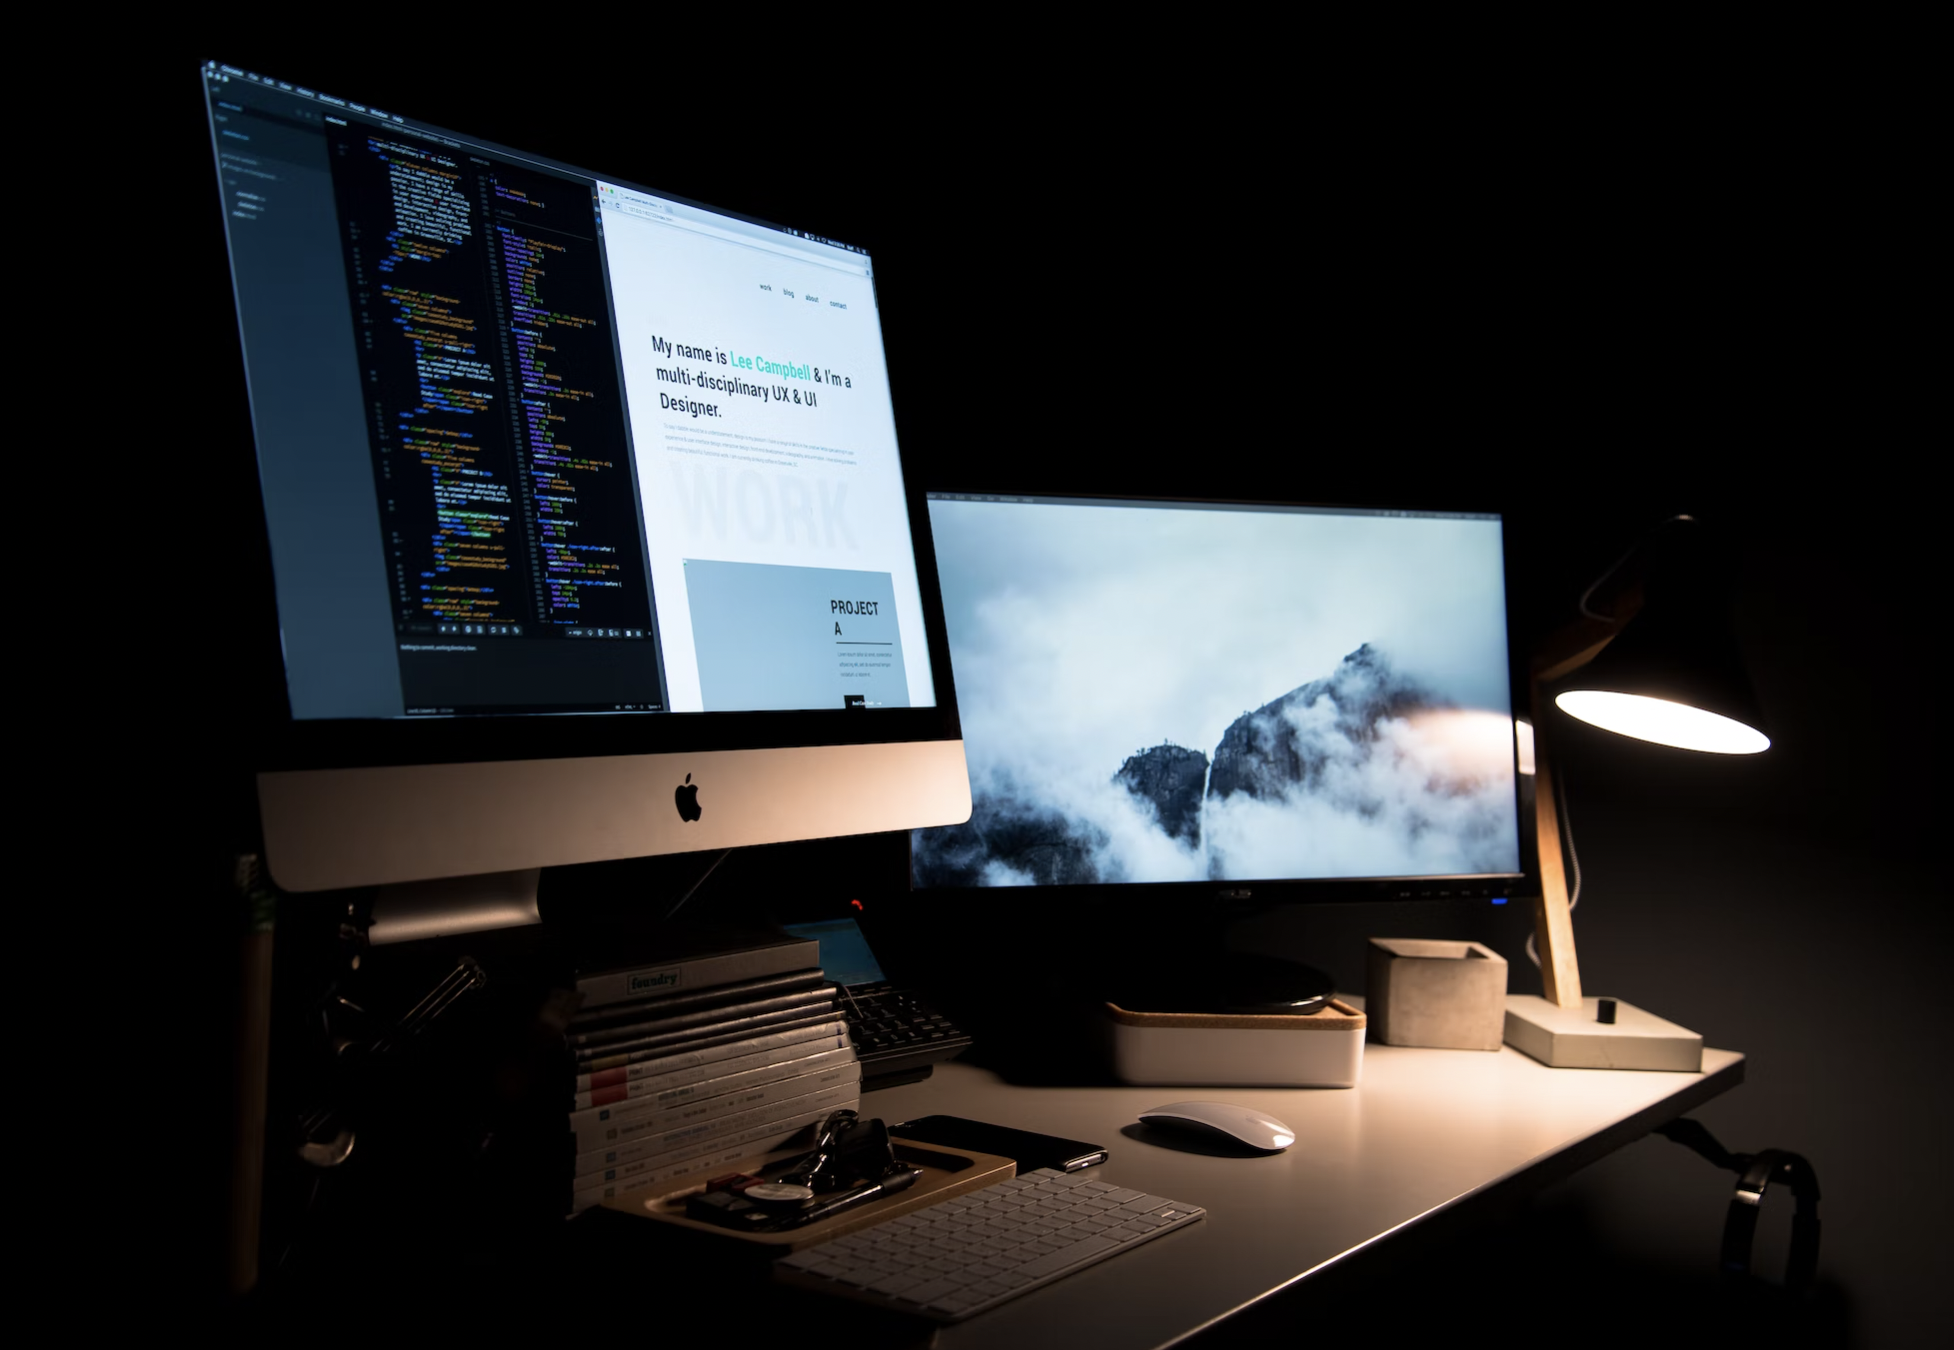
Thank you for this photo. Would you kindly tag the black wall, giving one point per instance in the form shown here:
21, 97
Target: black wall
1593, 315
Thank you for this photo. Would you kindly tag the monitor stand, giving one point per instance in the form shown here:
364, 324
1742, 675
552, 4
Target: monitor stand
452, 906
448, 907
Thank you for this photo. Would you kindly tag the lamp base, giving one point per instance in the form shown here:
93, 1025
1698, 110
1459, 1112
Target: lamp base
1571, 1038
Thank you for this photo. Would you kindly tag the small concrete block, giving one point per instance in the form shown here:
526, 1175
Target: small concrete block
1575, 1038
1449, 995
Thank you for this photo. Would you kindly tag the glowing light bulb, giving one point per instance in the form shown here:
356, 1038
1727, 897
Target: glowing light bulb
1662, 721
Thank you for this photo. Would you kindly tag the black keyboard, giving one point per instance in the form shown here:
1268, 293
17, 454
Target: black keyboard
897, 1036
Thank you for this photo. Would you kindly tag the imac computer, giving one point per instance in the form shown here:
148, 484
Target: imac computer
587, 526
1225, 706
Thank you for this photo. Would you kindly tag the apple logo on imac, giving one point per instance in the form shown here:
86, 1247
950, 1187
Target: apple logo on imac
687, 796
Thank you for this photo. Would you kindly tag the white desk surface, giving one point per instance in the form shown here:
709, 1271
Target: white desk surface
1423, 1130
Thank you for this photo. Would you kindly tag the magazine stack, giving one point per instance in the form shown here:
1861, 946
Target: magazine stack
685, 1066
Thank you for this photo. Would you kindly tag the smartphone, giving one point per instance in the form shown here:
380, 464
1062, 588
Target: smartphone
1029, 1150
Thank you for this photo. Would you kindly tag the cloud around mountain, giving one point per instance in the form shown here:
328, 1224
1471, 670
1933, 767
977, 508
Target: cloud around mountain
1363, 772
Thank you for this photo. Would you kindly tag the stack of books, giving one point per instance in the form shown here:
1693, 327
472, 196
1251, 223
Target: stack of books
686, 1065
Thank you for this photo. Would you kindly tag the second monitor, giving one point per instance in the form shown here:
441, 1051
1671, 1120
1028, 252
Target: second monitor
1253, 699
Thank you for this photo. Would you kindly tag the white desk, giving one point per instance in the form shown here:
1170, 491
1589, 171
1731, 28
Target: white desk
1424, 1132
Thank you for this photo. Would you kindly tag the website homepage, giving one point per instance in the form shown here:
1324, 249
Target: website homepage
777, 533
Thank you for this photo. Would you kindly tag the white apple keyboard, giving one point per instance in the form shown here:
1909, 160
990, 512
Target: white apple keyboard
963, 1256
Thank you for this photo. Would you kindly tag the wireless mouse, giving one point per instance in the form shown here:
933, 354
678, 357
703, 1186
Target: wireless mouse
1241, 1124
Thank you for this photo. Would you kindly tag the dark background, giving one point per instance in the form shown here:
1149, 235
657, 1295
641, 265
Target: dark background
1592, 298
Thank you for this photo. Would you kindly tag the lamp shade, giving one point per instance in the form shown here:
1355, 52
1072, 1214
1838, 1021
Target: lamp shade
1674, 674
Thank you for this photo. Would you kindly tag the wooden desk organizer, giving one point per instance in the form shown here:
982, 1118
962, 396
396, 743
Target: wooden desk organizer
935, 1185
1325, 1049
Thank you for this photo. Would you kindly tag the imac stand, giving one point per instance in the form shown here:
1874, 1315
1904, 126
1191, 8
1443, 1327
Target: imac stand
452, 906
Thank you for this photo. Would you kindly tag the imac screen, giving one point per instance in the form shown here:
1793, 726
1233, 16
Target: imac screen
1181, 692
536, 441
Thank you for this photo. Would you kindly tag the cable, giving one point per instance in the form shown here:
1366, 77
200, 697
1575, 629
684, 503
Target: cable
1615, 567
1567, 838
1573, 857
1560, 782
700, 882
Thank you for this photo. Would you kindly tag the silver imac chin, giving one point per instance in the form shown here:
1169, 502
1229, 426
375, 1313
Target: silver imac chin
327, 829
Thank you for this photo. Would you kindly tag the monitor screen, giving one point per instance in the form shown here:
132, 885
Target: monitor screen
559, 467
533, 441
1159, 692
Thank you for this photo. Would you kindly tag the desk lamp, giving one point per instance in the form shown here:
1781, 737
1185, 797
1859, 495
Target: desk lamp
1659, 664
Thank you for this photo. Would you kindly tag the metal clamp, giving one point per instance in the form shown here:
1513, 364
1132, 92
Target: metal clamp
1740, 1224
1756, 1172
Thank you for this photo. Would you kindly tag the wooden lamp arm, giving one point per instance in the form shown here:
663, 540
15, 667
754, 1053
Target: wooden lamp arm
1553, 923
1561, 654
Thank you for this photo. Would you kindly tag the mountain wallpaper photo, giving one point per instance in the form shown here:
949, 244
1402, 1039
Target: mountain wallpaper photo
1093, 647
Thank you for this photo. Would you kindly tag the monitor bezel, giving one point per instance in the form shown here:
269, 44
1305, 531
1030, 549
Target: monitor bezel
1252, 894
